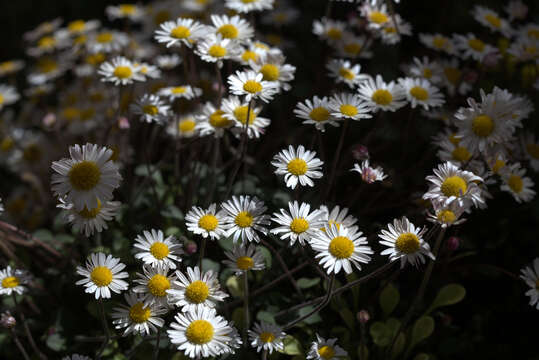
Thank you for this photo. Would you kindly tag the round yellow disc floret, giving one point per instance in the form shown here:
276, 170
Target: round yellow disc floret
348, 110
84, 175
407, 243
217, 51
252, 86
228, 31
101, 276
341, 247
159, 250
319, 114
326, 352
446, 216
244, 263
10, 282
382, 97
180, 32
199, 332
139, 314
515, 183
208, 222
454, 186
158, 285
267, 337
197, 292
299, 225
419, 93
482, 125
270, 72
244, 219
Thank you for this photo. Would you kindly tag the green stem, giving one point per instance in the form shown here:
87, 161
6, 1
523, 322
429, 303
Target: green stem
245, 305
336, 158
156, 350
19, 345
105, 329
201, 256
27, 330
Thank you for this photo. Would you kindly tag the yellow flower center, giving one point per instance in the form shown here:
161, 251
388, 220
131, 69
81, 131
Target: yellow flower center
84, 175
482, 125
123, 72
240, 113
76, 26
297, 167
228, 31
158, 285
461, 154
299, 225
248, 1
91, 214
270, 72
186, 126
197, 292
101, 276
180, 32
493, 20
32, 153
382, 97
427, 73
217, 120
347, 73
352, 48
150, 109
46, 42
407, 243
249, 55
419, 93
319, 114
348, 110
390, 30
6, 144
533, 150
159, 250
267, 337
104, 37
47, 66
245, 263
498, 165
208, 222
378, 17
341, 247
515, 183
334, 33
476, 44
439, 42
199, 332
139, 314
452, 74
7, 66
244, 219
10, 282
127, 9
326, 352
217, 51
178, 90
1, 99
446, 216
454, 186
453, 139
252, 86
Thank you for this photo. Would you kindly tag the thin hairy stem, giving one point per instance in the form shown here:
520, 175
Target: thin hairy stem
19, 345
27, 330
245, 305
105, 329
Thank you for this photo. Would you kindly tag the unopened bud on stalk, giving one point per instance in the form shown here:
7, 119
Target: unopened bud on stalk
453, 243
360, 152
363, 316
7, 320
191, 247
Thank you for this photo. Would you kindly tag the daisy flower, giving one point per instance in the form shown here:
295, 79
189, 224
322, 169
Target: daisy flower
244, 258
273, 68
78, 27
454, 152
449, 183
201, 333
348, 106
297, 225
339, 247
245, 6
330, 30
168, 62
10, 67
90, 221
343, 71
531, 149
148, 71
196, 290
354, 47
102, 274
233, 28
137, 318
150, 108
392, 32
8, 95
180, 92
405, 242
316, 112
119, 71
369, 174
491, 20
380, 95
426, 69
438, 42
206, 222
125, 11
215, 48
183, 127
267, 337
377, 15
420, 92
153, 249
107, 41
87, 177
338, 217
244, 218
12, 281
212, 120
446, 215
153, 284
530, 274
297, 165
180, 32
251, 85
322, 349
518, 185
238, 112
472, 47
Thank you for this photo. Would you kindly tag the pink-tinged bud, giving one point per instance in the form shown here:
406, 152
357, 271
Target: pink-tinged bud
360, 152
453, 243
7, 320
49, 119
363, 316
123, 122
470, 77
491, 59
368, 175
191, 247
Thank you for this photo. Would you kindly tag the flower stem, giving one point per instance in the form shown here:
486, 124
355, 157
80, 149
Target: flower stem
336, 159
201, 256
245, 305
105, 329
156, 350
27, 330
19, 345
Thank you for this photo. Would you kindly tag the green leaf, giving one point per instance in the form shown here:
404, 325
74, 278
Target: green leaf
448, 295
423, 328
266, 317
234, 286
208, 264
348, 317
389, 299
267, 256
422, 356
291, 346
400, 342
237, 317
313, 319
380, 333
362, 352
172, 212
56, 342
305, 283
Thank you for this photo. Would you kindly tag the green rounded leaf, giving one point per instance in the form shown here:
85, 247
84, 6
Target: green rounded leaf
305, 283
423, 328
400, 342
448, 295
234, 286
380, 333
389, 299
291, 346
362, 352
422, 356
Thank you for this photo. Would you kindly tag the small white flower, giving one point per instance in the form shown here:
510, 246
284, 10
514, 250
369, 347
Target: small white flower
297, 225
215, 48
297, 165
447, 215
125, 11
515, 183
343, 71
137, 318
102, 274
151, 108
168, 62
180, 32
438, 42
491, 20
273, 69
153, 249
332, 31
13, 281
206, 222
349, 106
316, 112
472, 47
267, 337
153, 284
338, 217
107, 41
90, 221
119, 71
233, 28
244, 218
243, 6
420, 92
251, 85
237, 111
8, 95
180, 92
323, 349
244, 258
530, 274
212, 120
380, 95
369, 174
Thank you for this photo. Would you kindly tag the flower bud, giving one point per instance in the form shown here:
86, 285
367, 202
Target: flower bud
453, 243
7, 320
360, 152
191, 247
363, 316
